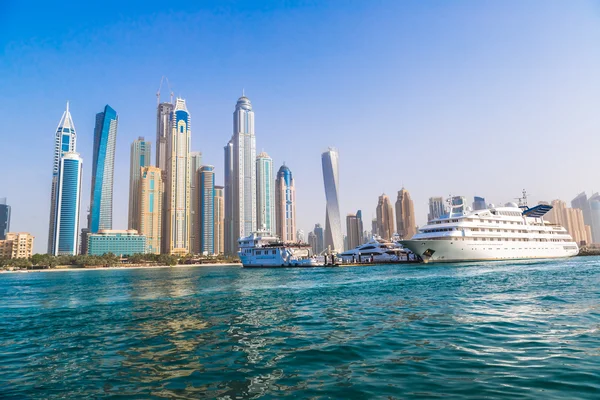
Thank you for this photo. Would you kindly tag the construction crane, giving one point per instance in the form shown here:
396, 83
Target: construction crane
160, 87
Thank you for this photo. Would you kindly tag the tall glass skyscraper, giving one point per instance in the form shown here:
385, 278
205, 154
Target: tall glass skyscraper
140, 158
68, 197
219, 219
406, 226
103, 168
179, 176
195, 218
150, 207
206, 186
4, 219
163, 131
333, 223
65, 140
265, 193
436, 208
285, 205
229, 241
319, 235
479, 203
242, 175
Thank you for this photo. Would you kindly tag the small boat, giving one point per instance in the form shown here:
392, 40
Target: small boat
261, 249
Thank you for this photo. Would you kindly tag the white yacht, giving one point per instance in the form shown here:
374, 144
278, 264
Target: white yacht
261, 249
374, 251
497, 233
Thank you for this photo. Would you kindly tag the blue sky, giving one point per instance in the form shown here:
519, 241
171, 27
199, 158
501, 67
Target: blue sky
441, 97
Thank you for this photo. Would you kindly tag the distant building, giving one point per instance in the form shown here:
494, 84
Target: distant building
68, 197
300, 236
571, 219
195, 213
320, 238
140, 158
385, 217
65, 140
179, 177
83, 240
591, 214
479, 203
374, 228
103, 168
312, 241
117, 242
405, 215
285, 205
219, 220
229, 240
333, 224
354, 230
150, 207
4, 218
16, 245
206, 187
436, 208
265, 193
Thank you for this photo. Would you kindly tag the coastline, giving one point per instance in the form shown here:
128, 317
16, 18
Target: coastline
123, 267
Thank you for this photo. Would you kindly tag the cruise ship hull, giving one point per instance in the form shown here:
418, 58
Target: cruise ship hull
468, 250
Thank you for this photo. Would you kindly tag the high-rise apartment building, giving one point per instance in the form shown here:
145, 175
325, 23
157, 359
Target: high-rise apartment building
385, 217
103, 167
354, 230
163, 132
206, 187
333, 224
571, 219
195, 217
479, 203
219, 220
320, 238
405, 215
312, 241
230, 242
265, 193
4, 218
285, 205
140, 158
68, 196
590, 213
436, 208
240, 175
179, 179
150, 207
65, 140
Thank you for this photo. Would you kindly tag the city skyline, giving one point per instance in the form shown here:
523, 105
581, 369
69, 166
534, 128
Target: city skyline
432, 90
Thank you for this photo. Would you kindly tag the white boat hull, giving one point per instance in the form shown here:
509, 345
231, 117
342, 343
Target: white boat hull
469, 250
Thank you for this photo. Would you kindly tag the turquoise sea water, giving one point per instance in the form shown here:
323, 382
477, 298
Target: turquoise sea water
496, 330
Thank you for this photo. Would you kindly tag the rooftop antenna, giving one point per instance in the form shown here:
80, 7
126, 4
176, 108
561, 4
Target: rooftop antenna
158, 92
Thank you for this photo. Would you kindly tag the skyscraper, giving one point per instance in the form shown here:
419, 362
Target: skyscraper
333, 223
594, 203
571, 219
385, 217
354, 230
240, 173
179, 180
312, 241
4, 218
300, 236
68, 196
405, 215
163, 132
65, 140
206, 187
436, 208
140, 158
589, 213
265, 193
219, 219
285, 205
150, 198
195, 217
230, 242
320, 238
479, 203
101, 199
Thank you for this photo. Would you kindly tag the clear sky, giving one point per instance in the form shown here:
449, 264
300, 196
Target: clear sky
441, 97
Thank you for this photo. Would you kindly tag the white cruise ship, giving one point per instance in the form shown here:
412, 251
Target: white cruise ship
261, 249
497, 233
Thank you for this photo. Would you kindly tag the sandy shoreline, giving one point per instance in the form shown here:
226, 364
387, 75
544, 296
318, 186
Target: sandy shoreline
124, 267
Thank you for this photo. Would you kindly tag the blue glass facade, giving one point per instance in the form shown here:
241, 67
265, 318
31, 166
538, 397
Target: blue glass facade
4, 220
105, 134
207, 209
122, 243
67, 207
